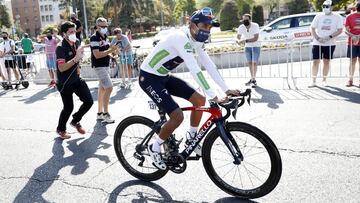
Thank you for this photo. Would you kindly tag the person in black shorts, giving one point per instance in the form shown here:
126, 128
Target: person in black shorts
68, 56
9, 51
325, 27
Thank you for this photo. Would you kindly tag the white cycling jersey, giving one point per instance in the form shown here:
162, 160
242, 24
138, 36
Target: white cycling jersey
179, 47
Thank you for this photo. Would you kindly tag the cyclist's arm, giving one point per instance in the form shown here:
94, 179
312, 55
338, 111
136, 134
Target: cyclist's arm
211, 69
190, 61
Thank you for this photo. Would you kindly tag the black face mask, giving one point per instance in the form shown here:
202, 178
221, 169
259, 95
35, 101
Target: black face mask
49, 37
5, 38
246, 22
73, 18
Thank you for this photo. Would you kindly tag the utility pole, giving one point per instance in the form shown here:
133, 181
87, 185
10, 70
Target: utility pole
162, 14
85, 18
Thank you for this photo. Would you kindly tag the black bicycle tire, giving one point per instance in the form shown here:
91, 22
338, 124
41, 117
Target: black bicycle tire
276, 165
117, 146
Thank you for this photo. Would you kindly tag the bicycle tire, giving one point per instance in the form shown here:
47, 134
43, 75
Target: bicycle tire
276, 165
119, 153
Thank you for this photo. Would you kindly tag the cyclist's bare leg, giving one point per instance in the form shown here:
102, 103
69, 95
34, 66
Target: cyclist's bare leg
176, 118
197, 100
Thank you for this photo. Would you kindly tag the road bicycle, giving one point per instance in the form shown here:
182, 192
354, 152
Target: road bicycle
238, 157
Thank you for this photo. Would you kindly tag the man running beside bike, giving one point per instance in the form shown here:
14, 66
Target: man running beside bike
159, 85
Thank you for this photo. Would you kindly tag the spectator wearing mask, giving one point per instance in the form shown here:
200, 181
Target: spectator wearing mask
9, 51
68, 56
325, 28
78, 24
51, 40
248, 34
100, 61
352, 26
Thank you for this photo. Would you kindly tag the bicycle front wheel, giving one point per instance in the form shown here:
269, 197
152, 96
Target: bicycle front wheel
130, 150
258, 173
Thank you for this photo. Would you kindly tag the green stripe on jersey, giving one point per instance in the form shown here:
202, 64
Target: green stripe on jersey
203, 80
157, 57
163, 70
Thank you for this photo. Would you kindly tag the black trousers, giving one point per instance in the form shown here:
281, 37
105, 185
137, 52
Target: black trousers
81, 89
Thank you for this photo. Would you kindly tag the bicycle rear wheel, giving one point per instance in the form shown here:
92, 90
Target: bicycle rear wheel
258, 173
128, 136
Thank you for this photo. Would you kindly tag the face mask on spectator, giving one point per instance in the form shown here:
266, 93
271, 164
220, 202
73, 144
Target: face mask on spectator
103, 30
326, 10
246, 22
49, 37
72, 37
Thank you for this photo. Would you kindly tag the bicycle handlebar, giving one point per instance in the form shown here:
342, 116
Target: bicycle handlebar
235, 103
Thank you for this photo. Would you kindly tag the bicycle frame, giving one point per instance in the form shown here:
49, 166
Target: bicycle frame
216, 118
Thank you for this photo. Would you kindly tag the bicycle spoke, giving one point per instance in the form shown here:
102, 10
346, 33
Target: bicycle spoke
256, 153
253, 174
247, 171
262, 170
222, 165
242, 186
228, 172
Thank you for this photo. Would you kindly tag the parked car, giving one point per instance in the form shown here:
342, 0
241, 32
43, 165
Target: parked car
39, 47
291, 27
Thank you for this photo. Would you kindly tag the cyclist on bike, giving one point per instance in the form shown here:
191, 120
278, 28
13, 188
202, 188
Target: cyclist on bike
155, 80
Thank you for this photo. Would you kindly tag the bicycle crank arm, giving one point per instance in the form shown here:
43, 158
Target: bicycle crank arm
193, 158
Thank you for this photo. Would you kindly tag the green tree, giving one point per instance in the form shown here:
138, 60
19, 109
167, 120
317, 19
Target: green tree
179, 9
229, 15
4, 17
258, 15
298, 6
190, 6
216, 5
338, 4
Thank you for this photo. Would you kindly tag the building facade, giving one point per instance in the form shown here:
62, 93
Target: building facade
50, 12
26, 15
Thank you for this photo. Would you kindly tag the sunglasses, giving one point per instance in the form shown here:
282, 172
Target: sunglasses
103, 26
208, 12
326, 6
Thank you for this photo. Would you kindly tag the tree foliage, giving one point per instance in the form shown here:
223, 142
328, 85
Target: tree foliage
4, 17
298, 6
229, 15
258, 15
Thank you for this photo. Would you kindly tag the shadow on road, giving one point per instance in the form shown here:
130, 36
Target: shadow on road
39, 96
87, 149
46, 174
120, 94
270, 97
349, 96
234, 200
43, 176
140, 191
144, 192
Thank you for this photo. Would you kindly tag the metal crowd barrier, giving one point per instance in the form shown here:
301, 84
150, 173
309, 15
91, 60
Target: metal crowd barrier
289, 60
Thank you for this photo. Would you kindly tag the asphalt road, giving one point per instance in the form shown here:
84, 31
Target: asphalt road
317, 131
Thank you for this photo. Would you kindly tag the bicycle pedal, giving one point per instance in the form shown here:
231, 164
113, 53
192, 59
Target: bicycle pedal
194, 158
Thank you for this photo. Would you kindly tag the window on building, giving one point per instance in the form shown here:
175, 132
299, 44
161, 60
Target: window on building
51, 18
50, 7
47, 18
46, 8
42, 8
43, 18
17, 10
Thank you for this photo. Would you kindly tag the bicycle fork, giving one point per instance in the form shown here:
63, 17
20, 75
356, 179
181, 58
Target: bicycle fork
230, 142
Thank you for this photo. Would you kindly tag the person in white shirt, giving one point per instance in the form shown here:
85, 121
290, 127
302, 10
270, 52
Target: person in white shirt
9, 49
2, 63
248, 33
325, 28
